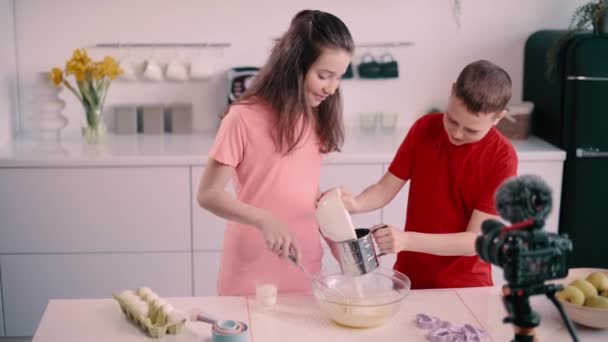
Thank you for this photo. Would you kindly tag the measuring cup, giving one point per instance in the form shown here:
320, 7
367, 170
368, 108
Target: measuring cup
224, 330
357, 257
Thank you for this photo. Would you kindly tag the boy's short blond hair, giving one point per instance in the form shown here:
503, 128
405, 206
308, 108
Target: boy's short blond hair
484, 87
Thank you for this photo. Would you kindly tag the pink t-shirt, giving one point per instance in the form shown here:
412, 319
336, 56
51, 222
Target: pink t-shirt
284, 185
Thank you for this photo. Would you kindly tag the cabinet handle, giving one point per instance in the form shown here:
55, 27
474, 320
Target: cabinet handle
586, 78
590, 152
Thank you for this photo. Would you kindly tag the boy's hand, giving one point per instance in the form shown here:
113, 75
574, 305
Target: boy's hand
278, 238
389, 239
350, 202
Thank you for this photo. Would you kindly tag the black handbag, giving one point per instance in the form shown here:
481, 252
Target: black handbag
388, 66
369, 67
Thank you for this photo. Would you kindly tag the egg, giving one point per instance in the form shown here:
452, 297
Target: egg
129, 297
126, 294
141, 309
151, 297
143, 291
167, 308
175, 316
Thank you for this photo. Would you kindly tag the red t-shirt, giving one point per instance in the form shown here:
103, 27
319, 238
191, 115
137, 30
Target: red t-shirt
446, 183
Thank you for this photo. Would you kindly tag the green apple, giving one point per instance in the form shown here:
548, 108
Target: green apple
571, 294
599, 280
598, 302
585, 286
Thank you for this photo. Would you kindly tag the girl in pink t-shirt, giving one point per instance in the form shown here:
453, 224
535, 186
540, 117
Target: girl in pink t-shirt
270, 143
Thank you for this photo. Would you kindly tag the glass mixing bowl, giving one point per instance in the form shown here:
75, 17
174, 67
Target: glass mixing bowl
365, 301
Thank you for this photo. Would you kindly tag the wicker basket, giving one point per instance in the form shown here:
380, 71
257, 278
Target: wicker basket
516, 123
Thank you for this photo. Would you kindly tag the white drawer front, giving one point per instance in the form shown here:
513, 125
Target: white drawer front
94, 209
30, 281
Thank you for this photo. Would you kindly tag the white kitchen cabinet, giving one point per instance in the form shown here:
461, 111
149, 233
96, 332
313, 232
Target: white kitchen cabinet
206, 267
99, 209
551, 172
30, 281
355, 177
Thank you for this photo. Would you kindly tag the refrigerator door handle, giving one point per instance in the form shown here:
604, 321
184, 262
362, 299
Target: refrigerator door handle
590, 152
586, 78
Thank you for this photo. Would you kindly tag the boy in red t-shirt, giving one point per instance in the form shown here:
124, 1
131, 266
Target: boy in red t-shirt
454, 161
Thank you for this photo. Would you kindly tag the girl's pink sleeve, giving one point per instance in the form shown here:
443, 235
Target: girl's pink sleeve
229, 145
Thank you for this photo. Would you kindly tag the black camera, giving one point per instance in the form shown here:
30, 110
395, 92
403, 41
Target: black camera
526, 256
526, 253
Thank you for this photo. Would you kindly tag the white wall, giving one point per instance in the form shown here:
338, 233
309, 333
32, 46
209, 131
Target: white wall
8, 70
48, 31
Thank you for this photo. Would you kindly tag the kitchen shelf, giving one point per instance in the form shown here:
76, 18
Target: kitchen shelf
397, 44
164, 45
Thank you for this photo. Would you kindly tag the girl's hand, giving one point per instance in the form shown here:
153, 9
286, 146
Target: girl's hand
278, 238
389, 239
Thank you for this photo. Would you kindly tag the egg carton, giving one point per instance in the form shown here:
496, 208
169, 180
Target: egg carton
155, 322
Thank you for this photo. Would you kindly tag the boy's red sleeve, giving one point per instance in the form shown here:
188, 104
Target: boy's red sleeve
503, 169
401, 166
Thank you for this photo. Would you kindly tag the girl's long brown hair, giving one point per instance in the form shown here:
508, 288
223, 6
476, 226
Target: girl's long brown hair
280, 82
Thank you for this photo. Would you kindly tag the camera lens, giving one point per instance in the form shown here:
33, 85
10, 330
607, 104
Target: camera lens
485, 245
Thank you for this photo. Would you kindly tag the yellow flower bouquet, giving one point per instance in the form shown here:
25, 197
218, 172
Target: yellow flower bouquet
92, 83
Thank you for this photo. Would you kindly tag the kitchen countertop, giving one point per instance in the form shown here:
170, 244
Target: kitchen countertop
167, 150
297, 318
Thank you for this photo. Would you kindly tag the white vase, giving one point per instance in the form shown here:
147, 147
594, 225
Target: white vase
46, 121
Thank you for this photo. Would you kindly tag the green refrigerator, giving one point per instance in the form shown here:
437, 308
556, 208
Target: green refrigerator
571, 112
